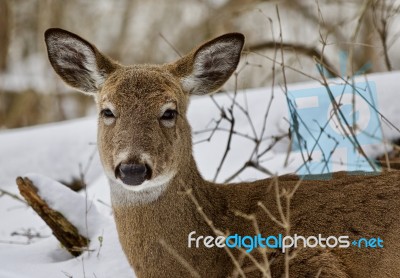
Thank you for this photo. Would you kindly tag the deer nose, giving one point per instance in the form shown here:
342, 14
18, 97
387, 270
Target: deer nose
133, 174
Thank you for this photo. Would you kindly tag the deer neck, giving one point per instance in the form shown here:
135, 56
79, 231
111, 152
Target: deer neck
170, 218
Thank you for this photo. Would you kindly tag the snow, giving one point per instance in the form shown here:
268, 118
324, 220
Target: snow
47, 149
46, 258
64, 150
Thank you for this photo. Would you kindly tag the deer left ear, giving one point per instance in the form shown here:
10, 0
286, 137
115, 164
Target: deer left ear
208, 67
77, 61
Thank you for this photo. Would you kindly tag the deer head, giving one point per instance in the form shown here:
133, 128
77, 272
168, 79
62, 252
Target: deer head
144, 138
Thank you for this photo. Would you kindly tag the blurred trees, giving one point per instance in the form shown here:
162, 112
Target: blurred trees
5, 30
139, 31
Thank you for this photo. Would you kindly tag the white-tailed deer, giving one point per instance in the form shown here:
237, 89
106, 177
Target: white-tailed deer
157, 192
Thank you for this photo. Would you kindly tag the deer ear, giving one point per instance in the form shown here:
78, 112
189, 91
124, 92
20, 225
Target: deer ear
76, 61
207, 68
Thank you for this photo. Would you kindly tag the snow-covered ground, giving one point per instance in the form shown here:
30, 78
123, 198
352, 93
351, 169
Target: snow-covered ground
63, 151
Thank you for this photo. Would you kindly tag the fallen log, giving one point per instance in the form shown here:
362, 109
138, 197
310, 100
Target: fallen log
63, 230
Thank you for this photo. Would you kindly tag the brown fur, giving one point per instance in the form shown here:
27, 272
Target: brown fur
354, 205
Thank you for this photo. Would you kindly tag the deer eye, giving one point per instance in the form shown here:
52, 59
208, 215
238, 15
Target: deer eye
107, 113
169, 115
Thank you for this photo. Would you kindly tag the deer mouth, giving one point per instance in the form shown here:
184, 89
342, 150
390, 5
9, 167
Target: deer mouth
133, 174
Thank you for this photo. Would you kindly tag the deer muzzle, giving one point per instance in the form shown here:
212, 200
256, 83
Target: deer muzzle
133, 174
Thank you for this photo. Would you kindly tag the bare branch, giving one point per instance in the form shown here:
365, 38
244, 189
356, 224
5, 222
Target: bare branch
298, 48
179, 258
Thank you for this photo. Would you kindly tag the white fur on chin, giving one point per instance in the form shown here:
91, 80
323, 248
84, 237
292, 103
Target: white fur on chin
147, 192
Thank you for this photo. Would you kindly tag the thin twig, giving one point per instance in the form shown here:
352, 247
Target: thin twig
170, 44
217, 232
14, 196
179, 258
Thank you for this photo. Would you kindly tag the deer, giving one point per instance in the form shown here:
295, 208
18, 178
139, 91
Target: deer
160, 199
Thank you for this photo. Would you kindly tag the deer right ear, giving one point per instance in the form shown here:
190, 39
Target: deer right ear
76, 61
208, 67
